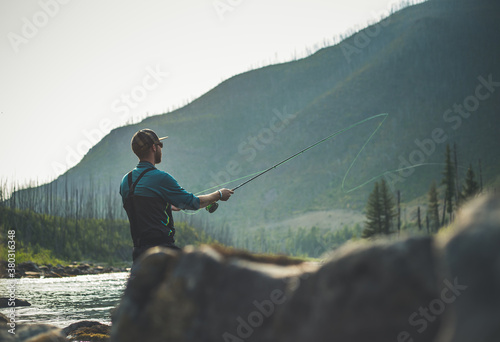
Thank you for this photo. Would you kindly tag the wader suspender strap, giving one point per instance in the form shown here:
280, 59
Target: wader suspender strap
132, 186
131, 192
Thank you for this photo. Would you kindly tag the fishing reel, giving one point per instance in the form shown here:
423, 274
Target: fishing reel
212, 207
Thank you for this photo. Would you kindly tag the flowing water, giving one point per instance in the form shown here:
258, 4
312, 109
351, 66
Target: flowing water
63, 301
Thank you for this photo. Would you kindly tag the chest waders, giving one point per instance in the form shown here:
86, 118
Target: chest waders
151, 222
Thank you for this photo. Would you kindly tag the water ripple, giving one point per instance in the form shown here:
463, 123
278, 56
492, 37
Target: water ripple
63, 301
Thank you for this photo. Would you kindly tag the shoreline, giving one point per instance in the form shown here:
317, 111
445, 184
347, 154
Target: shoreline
30, 269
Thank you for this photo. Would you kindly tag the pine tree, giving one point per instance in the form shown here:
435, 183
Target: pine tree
373, 225
433, 208
449, 182
388, 211
380, 211
471, 187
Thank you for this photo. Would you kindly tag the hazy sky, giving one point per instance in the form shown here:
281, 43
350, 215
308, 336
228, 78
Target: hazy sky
73, 69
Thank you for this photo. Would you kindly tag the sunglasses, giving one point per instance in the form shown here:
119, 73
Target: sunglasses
160, 144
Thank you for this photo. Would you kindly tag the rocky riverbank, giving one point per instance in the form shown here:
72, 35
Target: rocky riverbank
80, 331
33, 270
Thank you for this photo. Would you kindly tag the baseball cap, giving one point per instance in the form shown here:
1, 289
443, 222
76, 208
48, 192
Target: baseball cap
145, 138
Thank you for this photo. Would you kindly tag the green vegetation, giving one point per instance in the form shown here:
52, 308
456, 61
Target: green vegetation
36, 254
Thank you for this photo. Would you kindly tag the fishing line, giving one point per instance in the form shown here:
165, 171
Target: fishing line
256, 174
260, 173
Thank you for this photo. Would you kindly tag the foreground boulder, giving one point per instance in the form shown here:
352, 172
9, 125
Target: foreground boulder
367, 294
201, 295
472, 261
420, 289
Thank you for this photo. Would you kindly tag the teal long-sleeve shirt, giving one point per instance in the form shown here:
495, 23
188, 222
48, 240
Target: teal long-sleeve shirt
157, 183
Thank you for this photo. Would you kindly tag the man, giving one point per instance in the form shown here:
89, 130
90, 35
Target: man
150, 195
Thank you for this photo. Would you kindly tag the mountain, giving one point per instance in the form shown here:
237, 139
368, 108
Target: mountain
432, 68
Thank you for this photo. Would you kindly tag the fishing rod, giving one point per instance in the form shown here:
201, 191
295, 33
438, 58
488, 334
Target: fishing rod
213, 207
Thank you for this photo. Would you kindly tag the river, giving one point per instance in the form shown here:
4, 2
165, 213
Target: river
63, 301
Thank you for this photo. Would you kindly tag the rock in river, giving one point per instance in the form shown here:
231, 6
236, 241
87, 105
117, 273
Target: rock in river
4, 302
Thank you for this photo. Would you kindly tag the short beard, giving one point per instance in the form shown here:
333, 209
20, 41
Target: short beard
157, 156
